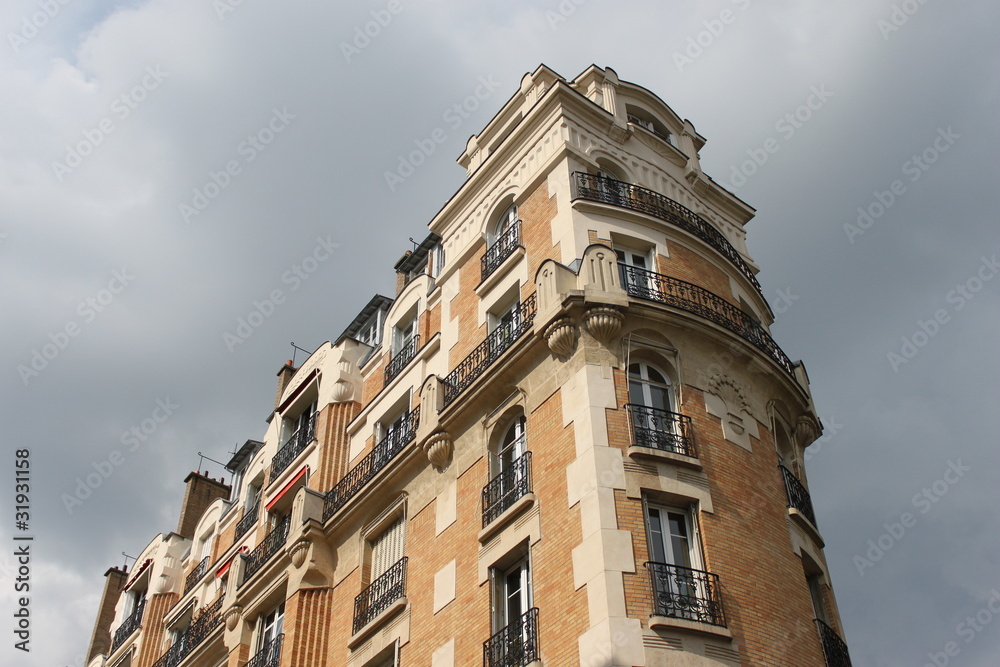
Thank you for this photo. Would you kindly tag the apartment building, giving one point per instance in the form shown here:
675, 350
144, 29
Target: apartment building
567, 439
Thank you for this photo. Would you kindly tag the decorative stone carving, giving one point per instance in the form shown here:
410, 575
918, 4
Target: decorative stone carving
233, 615
438, 449
561, 336
603, 323
299, 551
726, 399
163, 584
342, 391
729, 391
806, 431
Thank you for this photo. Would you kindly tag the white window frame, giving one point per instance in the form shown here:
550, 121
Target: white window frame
268, 631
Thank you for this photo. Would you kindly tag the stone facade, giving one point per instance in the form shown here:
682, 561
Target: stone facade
568, 439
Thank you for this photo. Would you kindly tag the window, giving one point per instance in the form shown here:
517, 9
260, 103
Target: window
436, 260
655, 422
504, 324
371, 331
507, 220
510, 467
635, 269
515, 639
269, 636
271, 625
386, 571
387, 548
816, 595
612, 187
301, 425
680, 588
502, 240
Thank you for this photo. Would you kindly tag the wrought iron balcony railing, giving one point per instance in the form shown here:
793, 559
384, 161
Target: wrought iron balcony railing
380, 594
834, 648
196, 574
356, 478
499, 340
506, 488
269, 655
619, 193
644, 284
248, 521
659, 429
270, 545
400, 360
503, 246
516, 645
128, 626
798, 496
293, 447
207, 620
682, 592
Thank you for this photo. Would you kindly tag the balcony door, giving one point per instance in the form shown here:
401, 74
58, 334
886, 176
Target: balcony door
504, 326
635, 267
680, 588
508, 219
387, 548
271, 627
508, 464
650, 395
513, 640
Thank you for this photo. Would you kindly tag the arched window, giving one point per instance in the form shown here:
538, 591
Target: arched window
510, 467
649, 387
502, 239
655, 422
506, 220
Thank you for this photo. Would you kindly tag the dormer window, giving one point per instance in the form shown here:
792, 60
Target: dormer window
648, 122
371, 331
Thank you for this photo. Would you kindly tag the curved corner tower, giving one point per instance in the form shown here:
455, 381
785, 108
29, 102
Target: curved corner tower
568, 439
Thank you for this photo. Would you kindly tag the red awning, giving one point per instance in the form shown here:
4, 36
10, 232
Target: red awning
287, 487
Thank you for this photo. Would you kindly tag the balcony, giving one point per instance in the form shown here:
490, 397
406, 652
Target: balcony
248, 521
379, 595
270, 545
269, 656
128, 626
507, 488
400, 360
685, 593
378, 458
644, 284
798, 496
498, 342
293, 447
196, 574
659, 429
834, 648
514, 646
201, 627
503, 247
619, 193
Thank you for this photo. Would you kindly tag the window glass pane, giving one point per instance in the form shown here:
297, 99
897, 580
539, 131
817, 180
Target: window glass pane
656, 536
679, 545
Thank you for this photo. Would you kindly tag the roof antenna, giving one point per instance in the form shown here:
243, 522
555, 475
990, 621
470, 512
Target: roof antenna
125, 564
415, 244
202, 457
295, 348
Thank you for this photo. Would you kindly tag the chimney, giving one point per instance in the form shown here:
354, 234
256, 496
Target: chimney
201, 492
284, 375
100, 641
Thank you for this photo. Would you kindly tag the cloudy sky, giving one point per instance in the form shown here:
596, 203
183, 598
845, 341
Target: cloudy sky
166, 166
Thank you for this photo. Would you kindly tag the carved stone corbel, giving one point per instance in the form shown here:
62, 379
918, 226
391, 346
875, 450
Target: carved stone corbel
561, 336
603, 323
439, 448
